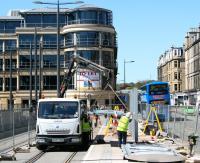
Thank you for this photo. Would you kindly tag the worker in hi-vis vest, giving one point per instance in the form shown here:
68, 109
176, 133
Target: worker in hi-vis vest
86, 129
123, 127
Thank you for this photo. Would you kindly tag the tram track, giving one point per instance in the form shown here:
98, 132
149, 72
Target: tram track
68, 160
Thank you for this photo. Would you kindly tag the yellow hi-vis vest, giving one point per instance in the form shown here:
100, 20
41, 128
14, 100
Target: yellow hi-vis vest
123, 124
85, 126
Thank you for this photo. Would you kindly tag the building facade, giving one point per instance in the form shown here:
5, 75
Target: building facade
192, 65
171, 68
86, 31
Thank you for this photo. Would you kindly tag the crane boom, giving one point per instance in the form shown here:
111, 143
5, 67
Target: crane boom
78, 61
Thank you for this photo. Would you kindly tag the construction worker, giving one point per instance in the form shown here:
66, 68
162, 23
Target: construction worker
123, 127
86, 129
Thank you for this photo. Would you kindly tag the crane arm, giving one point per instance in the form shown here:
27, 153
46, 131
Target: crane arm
78, 61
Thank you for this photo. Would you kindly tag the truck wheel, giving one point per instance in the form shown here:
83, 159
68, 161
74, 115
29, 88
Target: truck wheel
41, 147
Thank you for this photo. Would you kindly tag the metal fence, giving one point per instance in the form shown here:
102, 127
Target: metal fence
16, 122
177, 121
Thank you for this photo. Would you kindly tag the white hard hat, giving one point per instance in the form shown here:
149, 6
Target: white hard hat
128, 114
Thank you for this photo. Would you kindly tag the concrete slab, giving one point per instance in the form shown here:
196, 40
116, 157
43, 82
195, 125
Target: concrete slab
104, 153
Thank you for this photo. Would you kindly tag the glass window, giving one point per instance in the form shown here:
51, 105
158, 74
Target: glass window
107, 39
50, 82
7, 84
50, 41
49, 61
32, 20
49, 20
68, 57
24, 82
1, 84
1, 46
58, 110
2, 27
10, 45
158, 89
87, 17
10, 26
1, 64
107, 59
7, 64
175, 63
71, 18
24, 61
175, 87
25, 40
87, 38
69, 39
175, 75
92, 55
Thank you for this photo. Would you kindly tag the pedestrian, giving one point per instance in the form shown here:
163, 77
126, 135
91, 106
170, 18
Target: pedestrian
96, 118
123, 127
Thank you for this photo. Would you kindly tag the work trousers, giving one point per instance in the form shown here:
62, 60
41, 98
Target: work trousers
122, 136
86, 139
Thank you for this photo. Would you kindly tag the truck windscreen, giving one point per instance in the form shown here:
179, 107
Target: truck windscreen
58, 109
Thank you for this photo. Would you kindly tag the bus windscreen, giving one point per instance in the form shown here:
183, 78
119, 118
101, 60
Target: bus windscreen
158, 89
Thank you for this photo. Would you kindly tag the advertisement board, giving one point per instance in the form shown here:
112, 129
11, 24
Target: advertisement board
88, 80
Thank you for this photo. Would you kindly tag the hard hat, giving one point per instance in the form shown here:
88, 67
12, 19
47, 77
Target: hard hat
128, 114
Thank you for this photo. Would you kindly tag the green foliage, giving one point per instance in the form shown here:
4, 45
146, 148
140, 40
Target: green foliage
133, 85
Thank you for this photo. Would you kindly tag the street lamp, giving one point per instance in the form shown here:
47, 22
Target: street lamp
58, 33
125, 69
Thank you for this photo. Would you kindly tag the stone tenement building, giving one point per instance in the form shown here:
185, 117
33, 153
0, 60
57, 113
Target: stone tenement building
171, 68
192, 65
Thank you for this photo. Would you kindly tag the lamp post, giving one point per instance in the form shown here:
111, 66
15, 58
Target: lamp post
125, 69
58, 34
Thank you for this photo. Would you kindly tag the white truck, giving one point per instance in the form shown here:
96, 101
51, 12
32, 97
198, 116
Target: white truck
58, 122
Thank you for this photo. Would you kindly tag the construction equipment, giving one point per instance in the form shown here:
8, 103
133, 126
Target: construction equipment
78, 61
152, 109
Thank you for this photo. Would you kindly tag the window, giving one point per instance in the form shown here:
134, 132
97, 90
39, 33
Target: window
69, 39
7, 64
10, 26
175, 87
49, 20
24, 82
7, 84
49, 61
107, 59
50, 82
107, 39
175, 64
175, 75
10, 45
1, 64
24, 61
32, 20
1, 84
87, 38
50, 41
90, 55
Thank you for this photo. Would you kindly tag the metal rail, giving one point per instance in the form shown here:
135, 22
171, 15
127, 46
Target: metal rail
36, 157
70, 157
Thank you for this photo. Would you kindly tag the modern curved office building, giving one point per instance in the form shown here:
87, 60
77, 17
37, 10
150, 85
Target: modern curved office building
86, 31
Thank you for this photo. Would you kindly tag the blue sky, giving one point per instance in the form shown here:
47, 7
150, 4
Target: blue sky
145, 29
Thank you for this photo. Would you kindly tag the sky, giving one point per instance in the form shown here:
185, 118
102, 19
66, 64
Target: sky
145, 29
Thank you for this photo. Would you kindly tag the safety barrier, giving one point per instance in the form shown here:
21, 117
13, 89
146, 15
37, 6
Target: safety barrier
177, 121
16, 122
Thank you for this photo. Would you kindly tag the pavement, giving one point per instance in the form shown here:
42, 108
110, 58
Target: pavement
105, 147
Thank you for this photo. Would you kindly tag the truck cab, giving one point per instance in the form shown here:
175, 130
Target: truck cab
58, 122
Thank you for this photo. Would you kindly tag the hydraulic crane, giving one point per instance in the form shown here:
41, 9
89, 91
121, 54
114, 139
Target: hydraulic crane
78, 61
